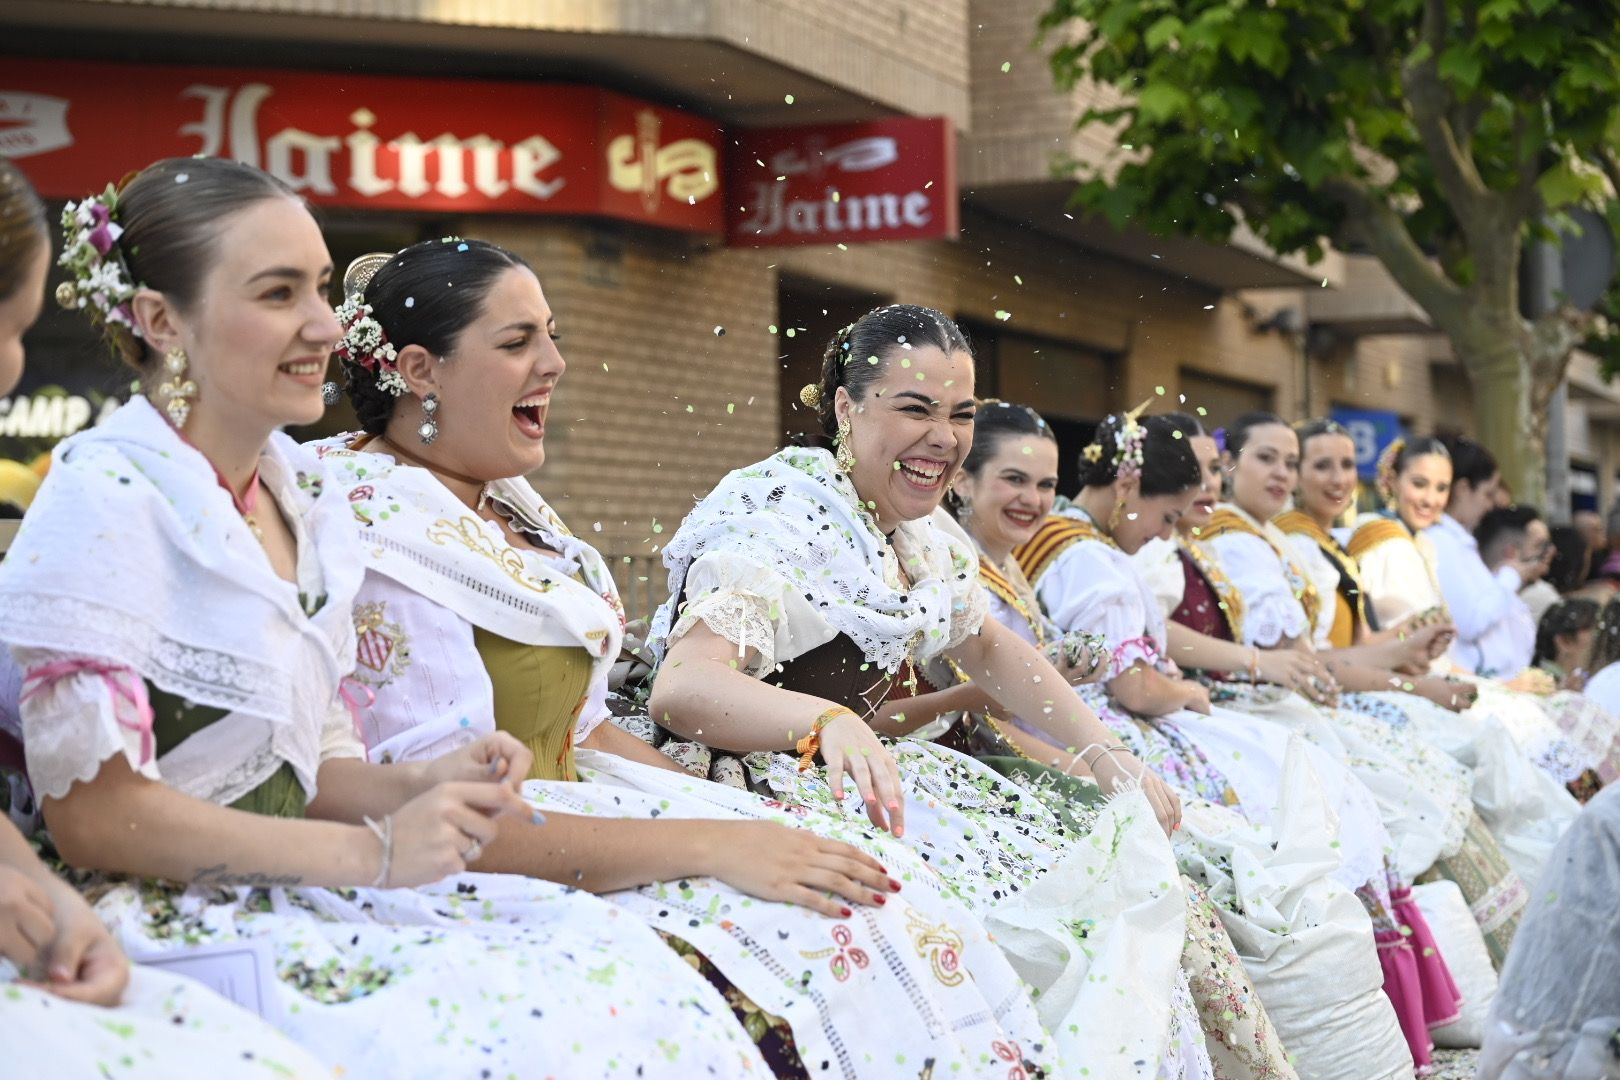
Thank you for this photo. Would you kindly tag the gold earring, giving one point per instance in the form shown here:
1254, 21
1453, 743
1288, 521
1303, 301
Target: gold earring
843, 454
178, 391
1113, 519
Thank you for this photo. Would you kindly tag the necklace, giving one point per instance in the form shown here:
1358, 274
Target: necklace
247, 503
439, 470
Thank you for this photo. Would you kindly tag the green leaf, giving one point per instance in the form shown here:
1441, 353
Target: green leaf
1462, 66
1562, 185
1163, 32
1159, 101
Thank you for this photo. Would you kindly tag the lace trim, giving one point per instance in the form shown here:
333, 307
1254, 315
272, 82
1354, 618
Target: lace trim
742, 618
1128, 654
206, 676
1269, 624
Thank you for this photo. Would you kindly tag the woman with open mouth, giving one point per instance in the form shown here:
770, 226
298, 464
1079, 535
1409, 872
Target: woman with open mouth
806, 593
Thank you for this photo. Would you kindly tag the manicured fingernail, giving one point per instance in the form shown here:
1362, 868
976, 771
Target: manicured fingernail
899, 831
894, 886
61, 974
879, 898
846, 912
537, 818
894, 806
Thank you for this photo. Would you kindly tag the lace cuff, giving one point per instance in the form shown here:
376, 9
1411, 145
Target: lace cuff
1267, 624
1128, 654
968, 614
73, 724
742, 618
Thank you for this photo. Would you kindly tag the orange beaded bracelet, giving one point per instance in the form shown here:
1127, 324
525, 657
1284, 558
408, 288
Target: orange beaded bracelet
811, 743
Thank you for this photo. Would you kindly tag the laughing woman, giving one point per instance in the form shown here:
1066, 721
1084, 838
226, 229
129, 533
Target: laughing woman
180, 599
805, 592
1564, 733
481, 611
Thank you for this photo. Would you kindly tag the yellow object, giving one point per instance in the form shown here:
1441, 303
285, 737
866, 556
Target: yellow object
539, 691
41, 464
18, 483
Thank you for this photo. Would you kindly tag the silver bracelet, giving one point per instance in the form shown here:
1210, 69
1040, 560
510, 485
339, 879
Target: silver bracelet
385, 836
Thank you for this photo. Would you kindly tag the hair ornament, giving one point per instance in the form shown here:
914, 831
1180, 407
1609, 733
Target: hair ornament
1219, 435
102, 283
810, 395
1387, 460
363, 343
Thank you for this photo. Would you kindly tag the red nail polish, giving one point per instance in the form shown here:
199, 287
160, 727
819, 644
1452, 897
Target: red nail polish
894, 885
847, 912
879, 898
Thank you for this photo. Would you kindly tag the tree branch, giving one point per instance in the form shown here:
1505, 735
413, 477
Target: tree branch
1526, 197
1386, 233
1609, 162
1454, 168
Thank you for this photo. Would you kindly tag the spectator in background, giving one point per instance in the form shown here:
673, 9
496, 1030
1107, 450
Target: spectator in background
1603, 674
1564, 641
1566, 571
1589, 523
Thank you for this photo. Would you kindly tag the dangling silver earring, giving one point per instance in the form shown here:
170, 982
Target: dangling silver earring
964, 509
429, 428
330, 393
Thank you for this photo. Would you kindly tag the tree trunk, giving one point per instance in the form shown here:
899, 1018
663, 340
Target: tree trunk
1504, 422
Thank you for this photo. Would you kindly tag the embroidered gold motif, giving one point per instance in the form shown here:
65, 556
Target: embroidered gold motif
469, 532
382, 651
941, 945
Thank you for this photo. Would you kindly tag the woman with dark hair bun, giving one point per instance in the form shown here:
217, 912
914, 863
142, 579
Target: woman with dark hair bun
481, 611
180, 600
1564, 641
810, 592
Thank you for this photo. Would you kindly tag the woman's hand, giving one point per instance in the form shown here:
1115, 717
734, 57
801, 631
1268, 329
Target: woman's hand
50, 933
1118, 769
849, 746
1446, 693
1293, 668
84, 963
440, 831
795, 866
1195, 697
494, 758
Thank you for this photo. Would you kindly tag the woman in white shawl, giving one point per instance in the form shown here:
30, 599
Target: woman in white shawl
481, 611
805, 593
1570, 737
89, 1009
180, 601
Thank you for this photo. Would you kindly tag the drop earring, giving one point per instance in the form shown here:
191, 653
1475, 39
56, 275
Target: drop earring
1113, 519
428, 430
178, 391
330, 393
843, 455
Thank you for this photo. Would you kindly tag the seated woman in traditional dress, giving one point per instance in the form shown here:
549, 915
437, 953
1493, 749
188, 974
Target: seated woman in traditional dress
86, 1011
805, 592
180, 601
1563, 732
481, 611
1520, 805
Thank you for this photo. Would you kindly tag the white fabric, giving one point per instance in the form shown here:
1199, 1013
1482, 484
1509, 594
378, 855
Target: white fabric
1538, 597
1271, 611
130, 502
1604, 688
1456, 934
1495, 634
1303, 936
1159, 563
1325, 576
1399, 577
785, 542
166, 1028
438, 569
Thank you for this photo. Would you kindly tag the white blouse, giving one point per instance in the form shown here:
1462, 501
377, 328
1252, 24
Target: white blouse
1271, 612
1093, 586
1398, 578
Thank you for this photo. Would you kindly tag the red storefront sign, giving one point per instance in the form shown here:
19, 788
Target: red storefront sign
842, 183
379, 142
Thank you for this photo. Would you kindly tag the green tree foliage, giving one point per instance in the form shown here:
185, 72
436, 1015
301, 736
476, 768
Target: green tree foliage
1439, 135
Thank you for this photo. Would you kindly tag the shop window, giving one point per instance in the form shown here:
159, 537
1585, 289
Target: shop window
808, 313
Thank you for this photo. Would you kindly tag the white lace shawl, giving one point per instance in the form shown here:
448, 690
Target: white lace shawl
435, 570
132, 554
780, 558
1267, 581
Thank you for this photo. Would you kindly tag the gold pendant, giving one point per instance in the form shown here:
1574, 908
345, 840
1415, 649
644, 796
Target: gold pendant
253, 527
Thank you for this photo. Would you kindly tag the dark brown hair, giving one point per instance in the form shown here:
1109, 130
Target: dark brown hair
858, 355
171, 214
22, 227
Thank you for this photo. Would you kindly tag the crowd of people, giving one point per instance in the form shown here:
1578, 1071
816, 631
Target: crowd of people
1188, 773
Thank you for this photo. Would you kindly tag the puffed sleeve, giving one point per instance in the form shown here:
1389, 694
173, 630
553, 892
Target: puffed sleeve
339, 737
1270, 610
1160, 566
74, 718
1085, 590
753, 607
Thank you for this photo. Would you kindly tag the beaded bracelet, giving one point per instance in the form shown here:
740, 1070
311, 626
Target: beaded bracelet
811, 743
385, 836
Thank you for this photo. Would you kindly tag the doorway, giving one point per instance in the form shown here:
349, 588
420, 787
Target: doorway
809, 313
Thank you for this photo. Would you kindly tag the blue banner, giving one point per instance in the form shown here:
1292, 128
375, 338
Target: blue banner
1371, 430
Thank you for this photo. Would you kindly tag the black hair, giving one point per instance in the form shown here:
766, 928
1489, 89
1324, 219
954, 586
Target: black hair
171, 214
1237, 432
1470, 461
425, 295
1185, 423
1322, 425
1499, 524
1563, 618
1571, 561
1169, 466
996, 422
22, 227
1606, 644
858, 355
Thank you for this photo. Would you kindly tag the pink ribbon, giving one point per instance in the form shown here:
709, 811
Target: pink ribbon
356, 695
121, 683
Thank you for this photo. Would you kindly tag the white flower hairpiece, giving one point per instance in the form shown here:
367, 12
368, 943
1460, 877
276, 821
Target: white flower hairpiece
365, 345
102, 284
